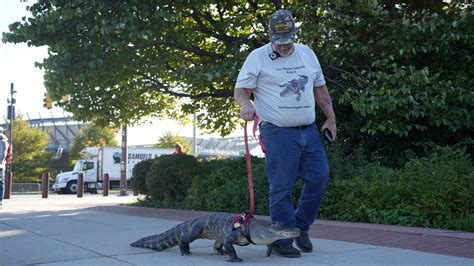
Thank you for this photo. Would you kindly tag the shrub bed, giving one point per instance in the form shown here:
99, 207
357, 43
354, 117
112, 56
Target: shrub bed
431, 192
170, 176
225, 187
139, 173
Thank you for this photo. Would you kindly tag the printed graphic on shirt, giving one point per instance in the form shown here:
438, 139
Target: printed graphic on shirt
294, 86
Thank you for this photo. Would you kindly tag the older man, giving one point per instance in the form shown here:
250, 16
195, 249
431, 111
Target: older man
287, 81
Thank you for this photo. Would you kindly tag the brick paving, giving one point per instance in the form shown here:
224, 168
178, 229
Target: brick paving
447, 242
447, 245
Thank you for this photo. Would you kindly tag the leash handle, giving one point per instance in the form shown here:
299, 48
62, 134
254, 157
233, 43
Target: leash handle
249, 173
260, 142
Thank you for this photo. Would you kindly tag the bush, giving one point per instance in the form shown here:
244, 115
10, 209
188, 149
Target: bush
225, 187
170, 176
434, 191
139, 173
344, 161
429, 192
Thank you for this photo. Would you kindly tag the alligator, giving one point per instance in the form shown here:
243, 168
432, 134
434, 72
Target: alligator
222, 228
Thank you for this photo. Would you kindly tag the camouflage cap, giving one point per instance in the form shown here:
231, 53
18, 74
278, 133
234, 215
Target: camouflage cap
282, 27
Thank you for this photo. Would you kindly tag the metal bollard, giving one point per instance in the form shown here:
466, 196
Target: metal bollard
8, 185
80, 185
45, 185
106, 185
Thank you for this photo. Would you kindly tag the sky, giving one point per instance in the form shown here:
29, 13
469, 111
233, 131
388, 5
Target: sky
17, 67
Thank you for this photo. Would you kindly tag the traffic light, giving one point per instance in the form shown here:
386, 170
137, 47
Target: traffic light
47, 103
9, 112
45, 99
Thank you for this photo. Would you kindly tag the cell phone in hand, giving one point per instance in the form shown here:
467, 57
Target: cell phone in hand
328, 135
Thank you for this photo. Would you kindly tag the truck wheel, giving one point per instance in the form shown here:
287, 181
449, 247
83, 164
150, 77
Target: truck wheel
93, 191
71, 187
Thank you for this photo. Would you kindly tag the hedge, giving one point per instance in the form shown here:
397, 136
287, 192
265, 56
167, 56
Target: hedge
434, 192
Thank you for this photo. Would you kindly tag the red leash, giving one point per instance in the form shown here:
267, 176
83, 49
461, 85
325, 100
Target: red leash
249, 172
255, 125
241, 221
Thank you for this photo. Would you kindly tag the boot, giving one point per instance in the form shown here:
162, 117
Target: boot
285, 250
303, 242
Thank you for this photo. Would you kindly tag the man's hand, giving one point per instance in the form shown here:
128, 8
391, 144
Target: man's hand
247, 112
321, 95
242, 96
331, 125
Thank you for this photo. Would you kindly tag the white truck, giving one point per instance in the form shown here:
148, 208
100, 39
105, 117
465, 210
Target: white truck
100, 160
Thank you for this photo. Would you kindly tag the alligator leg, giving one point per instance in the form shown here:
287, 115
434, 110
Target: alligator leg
187, 237
229, 248
269, 250
218, 248
185, 249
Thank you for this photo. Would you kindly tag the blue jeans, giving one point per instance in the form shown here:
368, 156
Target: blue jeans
293, 152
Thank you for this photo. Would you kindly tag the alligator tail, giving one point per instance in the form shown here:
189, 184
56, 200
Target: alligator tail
161, 241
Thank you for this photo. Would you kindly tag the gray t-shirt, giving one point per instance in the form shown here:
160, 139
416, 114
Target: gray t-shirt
283, 87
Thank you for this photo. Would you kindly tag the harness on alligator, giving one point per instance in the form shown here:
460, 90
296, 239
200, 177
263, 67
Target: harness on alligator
241, 221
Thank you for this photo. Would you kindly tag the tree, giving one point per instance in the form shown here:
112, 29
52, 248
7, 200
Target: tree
30, 158
392, 71
389, 64
91, 136
125, 60
168, 140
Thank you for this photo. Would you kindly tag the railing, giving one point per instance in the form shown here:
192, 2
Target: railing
26, 187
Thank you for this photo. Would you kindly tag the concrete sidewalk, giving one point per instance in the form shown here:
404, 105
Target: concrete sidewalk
97, 230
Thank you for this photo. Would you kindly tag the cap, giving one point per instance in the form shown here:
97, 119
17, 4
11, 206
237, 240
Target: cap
282, 27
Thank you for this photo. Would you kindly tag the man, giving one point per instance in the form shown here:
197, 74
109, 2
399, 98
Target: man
3, 157
286, 81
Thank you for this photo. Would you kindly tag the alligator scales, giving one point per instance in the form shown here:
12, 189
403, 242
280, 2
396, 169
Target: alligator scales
217, 227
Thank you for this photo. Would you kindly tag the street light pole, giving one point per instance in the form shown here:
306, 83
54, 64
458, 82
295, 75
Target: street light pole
194, 135
123, 163
11, 116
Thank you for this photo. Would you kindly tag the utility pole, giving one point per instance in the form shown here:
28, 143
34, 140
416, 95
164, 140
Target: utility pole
123, 164
11, 117
194, 135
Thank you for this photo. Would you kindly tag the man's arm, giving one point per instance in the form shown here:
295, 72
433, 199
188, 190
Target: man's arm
322, 97
242, 97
